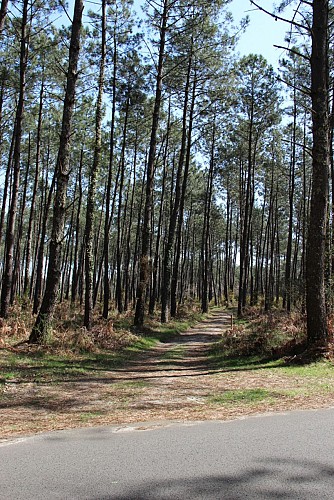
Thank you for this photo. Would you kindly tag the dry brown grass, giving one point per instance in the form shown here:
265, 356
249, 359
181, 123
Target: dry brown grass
68, 334
274, 335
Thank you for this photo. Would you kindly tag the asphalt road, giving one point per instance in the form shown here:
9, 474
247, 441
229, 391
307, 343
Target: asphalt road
280, 456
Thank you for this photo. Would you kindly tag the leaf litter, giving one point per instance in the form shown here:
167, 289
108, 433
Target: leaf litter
174, 380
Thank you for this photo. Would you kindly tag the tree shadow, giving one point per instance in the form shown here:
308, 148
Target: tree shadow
270, 478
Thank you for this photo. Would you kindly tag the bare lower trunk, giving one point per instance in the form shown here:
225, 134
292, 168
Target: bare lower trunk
10, 233
146, 229
92, 182
315, 252
42, 324
3, 13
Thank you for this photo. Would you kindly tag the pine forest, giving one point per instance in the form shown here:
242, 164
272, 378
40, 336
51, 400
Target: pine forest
147, 169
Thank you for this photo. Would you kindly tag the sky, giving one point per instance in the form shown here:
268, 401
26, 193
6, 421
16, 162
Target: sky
263, 31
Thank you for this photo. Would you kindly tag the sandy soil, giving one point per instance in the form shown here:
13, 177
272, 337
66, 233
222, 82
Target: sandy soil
174, 381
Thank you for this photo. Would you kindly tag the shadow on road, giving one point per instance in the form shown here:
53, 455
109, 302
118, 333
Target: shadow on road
272, 478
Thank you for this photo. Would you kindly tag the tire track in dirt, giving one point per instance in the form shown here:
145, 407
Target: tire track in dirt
175, 374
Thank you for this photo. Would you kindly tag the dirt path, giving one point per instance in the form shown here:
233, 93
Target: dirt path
175, 380
185, 356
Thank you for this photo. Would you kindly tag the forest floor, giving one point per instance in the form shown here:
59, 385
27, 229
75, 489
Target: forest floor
184, 378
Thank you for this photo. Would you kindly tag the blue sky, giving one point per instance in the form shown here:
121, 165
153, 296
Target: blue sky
263, 31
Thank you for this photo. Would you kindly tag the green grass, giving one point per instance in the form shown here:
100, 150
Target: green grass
253, 396
318, 369
7, 376
85, 417
143, 344
168, 331
306, 380
244, 396
53, 368
44, 367
176, 353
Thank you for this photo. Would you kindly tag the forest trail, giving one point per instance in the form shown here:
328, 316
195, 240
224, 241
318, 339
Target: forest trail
173, 380
176, 380
185, 355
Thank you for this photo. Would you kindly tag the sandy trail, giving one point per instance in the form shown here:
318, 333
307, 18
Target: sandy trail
176, 380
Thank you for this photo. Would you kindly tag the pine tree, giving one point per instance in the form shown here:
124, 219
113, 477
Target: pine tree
42, 325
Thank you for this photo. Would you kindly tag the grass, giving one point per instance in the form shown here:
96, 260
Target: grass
52, 368
221, 361
134, 384
8, 376
313, 382
166, 332
318, 369
87, 416
244, 396
267, 348
175, 353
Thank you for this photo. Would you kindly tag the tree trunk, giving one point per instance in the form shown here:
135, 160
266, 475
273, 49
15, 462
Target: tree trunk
244, 243
3, 13
16, 282
173, 301
10, 233
315, 252
106, 285
206, 225
42, 324
288, 281
35, 188
146, 229
39, 254
76, 261
119, 291
167, 264
93, 180
129, 230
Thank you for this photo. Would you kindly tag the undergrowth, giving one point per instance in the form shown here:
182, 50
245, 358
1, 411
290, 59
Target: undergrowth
274, 336
69, 336
73, 351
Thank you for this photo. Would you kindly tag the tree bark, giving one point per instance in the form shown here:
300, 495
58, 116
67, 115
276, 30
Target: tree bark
42, 325
93, 180
106, 285
146, 228
35, 188
206, 225
10, 233
315, 252
174, 283
3, 13
119, 291
76, 260
167, 264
